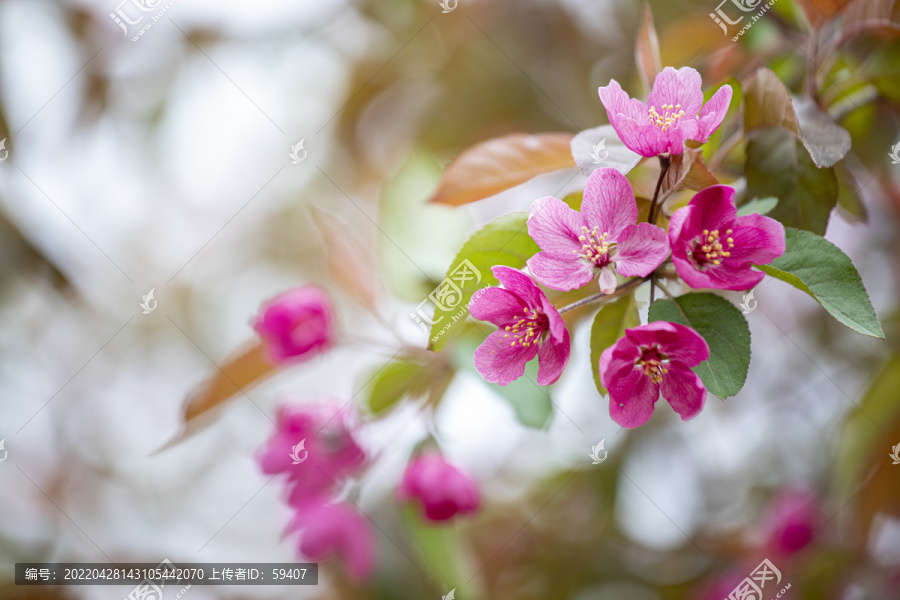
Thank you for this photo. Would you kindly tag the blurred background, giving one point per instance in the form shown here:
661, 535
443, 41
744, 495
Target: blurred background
165, 164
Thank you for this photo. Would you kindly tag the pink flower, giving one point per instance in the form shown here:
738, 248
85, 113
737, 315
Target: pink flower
600, 240
298, 323
649, 359
529, 326
443, 490
331, 530
712, 247
793, 519
327, 456
670, 116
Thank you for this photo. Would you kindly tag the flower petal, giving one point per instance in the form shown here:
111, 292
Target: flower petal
496, 305
757, 239
519, 284
554, 226
618, 104
552, 359
640, 249
641, 137
713, 208
609, 202
678, 342
684, 390
632, 397
726, 276
607, 280
558, 330
677, 87
498, 361
560, 271
713, 112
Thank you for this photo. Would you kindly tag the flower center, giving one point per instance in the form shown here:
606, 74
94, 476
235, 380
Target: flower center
528, 328
709, 248
671, 114
652, 361
594, 247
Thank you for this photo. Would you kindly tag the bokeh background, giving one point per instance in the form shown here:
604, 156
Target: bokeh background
164, 164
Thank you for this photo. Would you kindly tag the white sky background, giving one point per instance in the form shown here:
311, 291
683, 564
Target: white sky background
151, 199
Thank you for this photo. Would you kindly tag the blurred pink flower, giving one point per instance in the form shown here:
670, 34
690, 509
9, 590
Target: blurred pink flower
529, 326
649, 359
712, 247
296, 324
792, 520
335, 530
671, 115
443, 490
601, 239
329, 453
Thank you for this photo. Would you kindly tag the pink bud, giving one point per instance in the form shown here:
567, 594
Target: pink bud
443, 490
336, 530
297, 323
793, 519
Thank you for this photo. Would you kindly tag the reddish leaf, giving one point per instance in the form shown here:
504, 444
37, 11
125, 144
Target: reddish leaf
499, 164
349, 261
688, 172
646, 51
767, 102
820, 11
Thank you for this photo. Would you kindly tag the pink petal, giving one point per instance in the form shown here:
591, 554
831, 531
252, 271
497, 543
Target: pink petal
685, 129
496, 305
725, 276
631, 398
498, 361
677, 87
609, 202
607, 280
519, 284
558, 331
560, 271
554, 226
552, 359
678, 342
642, 137
684, 390
757, 239
618, 103
640, 249
712, 208
713, 112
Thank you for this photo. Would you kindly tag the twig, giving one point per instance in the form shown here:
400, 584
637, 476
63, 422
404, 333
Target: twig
664, 163
622, 289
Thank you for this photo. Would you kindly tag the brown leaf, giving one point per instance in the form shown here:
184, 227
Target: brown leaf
502, 163
688, 172
349, 262
820, 11
646, 51
767, 102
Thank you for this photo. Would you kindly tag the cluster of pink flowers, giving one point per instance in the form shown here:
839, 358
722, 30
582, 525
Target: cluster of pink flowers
710, 246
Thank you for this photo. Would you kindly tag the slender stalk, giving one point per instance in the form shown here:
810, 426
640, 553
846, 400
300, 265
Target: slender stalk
665, 290
622, 289
664, 163
653, 287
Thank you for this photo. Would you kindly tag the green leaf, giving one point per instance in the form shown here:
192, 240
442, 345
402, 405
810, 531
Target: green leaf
723, 327
778, 165
819, 268
760, 206
850, 195
609, 325
503, 241
405, 377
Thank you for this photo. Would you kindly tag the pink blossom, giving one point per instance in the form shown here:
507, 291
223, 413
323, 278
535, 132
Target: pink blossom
442, 489
651, 359
600, 240
712, 247
328, 455
336, 530
296, 324
671, 115
792, 520
529, 326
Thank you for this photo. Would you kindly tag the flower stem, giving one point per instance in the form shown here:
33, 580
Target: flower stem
622, 289
665, 161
